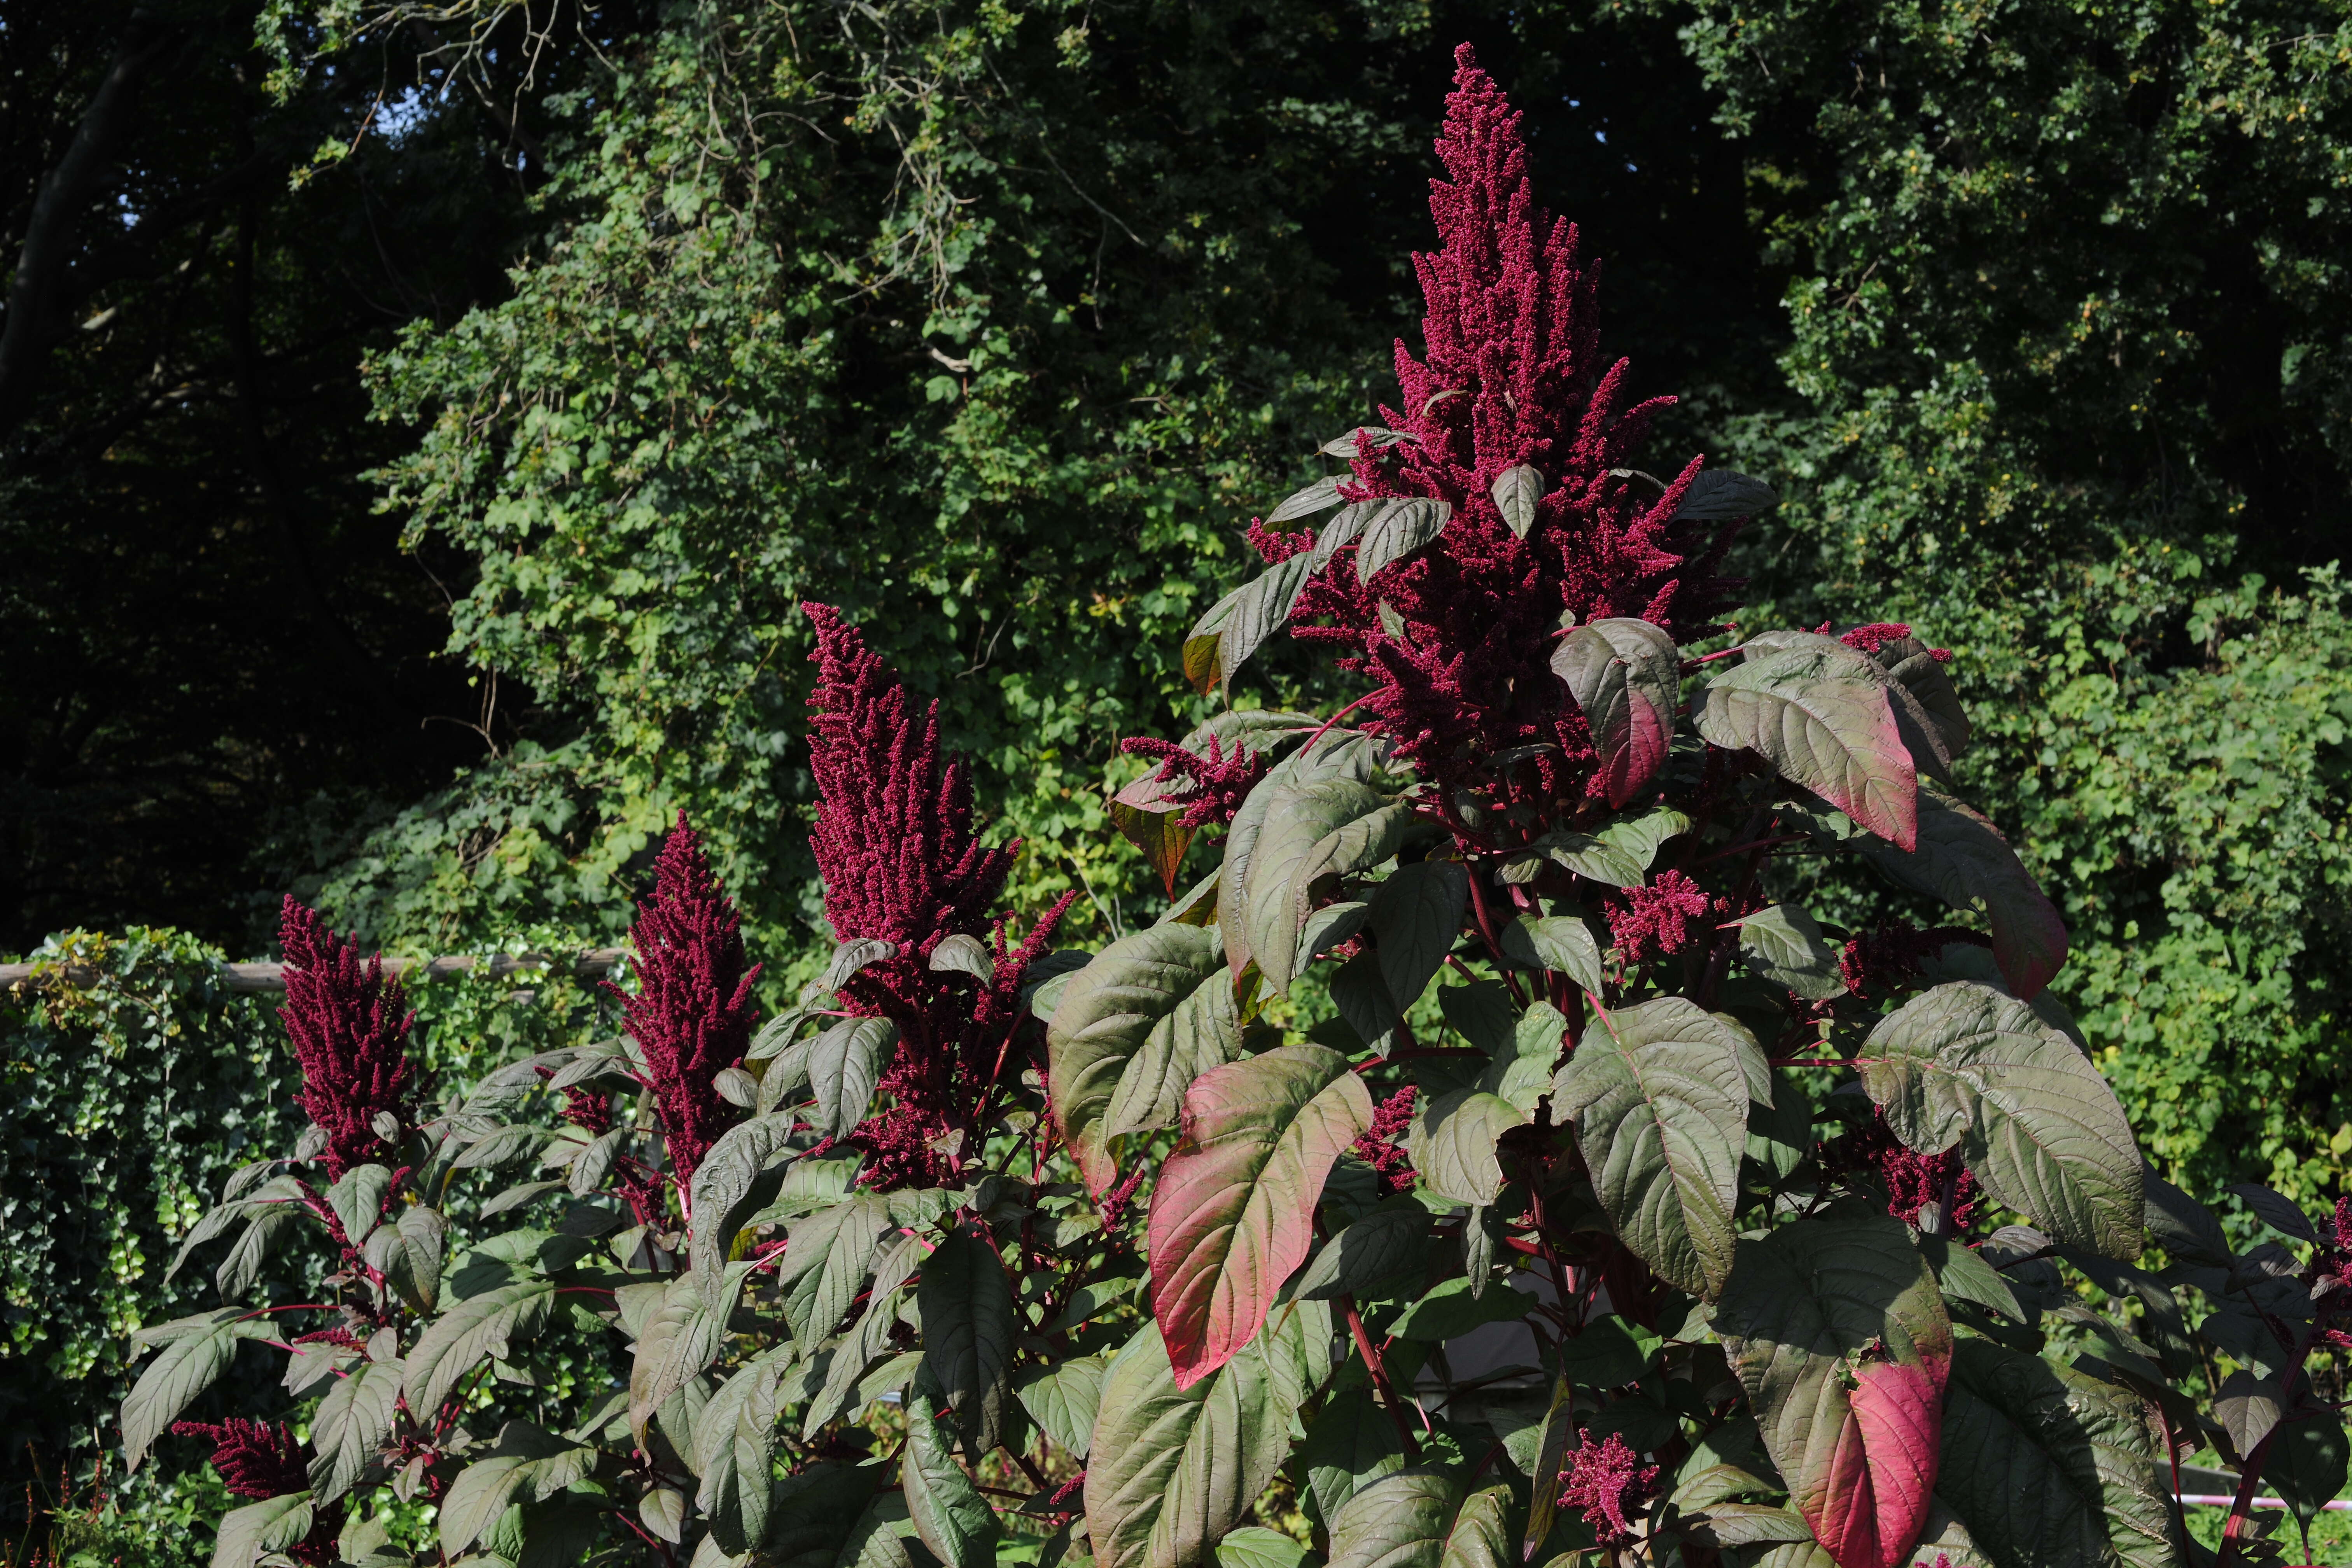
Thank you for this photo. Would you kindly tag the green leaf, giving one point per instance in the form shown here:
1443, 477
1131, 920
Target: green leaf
735, 1452
196, 1350
1837, 1333
1659, 1095
1158, 831
1961, 858
1320, 495
1312, 830
1338, 755
1605, 1354
1718, 495
1452, 1307
1550, 1458
1561, 944
1963, 1276
969, 1325
257, 1529
239, 1271
851, 957
679, 1339
962, 954
1351, 1444
1170, 1470
1481, 1535
1363, 438
1110, 1012
1521, 1071
2035, 1122
845, 1063
1453, 1143
2043, 1465
1781, 943
1518, 491
527, 1464
1626, 677
358, 1199
351, 1425
826, 1260
1416, 914
1819, 712
1398, 1522
722, 1191
1368, 1250
2307, 1465
1254, 1546
1402, 528
879, 1537
1063, 1399
1233, 1211
1480, 1012
1261, 608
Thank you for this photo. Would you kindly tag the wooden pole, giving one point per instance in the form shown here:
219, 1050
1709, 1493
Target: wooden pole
271, 977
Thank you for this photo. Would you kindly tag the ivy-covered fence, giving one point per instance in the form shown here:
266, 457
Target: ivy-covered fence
133, 1078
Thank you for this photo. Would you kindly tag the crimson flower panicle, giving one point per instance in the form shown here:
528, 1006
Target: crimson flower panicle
1610, 1484
1382, 1145
1209, 789
350, 1028
255, 1458
692, 1013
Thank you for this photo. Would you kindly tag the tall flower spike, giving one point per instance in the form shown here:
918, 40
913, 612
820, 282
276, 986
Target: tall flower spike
255, 1459
893, 839
350, 1028
692, 1015
1458, 633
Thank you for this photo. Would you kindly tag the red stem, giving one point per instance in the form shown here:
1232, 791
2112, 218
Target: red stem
1381, 1385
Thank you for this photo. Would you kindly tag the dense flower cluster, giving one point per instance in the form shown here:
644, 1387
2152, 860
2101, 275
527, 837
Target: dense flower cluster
1382, 1145
1878, 634
1654, 919
1913, 1180
1209, 790
350, 1028
1456, 634
1610, 1484
255, 1458
692, 1013
901, 864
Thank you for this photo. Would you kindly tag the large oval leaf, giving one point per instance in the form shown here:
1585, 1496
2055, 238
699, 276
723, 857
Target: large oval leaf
844, 1064
1108, 1010
1172, 1469
196, 1350
1626, 677
461, 1337
1402, 1521
1659, 1095
950, 1515
1400, 528
2036, 1123
1311, 830
1235, 1208
967, 1329
1961, 858
1415, 915
679, 1338
351, 1425
1203, 1031
1342, 753
1839, 1336
1453, 1143
1818, 711
2046, 1467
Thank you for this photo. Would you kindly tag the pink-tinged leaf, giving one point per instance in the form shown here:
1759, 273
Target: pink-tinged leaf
1233, 1212
1961, 858
1883, 1477
1140, 810
1819, 712
1839, 1336
1626, 677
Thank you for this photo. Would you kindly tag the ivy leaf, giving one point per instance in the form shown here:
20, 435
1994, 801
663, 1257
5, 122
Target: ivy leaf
2042, 1464
251, 1533
1626, 677
1416, 913
1367, 1250
1836, 1331
1171, 1469
1518, 491
680, 1338
196, 1350
1404, 527
1659, 1095
1399, 1521
1233, 1211
351, 1425
1312, 830
845, 1063
1784, 946
1561, 944
968, 1326
1064, 1398
1453, 1143
723, 1197
1819, 712
2035, 1121
1718, 495
1110, 1012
